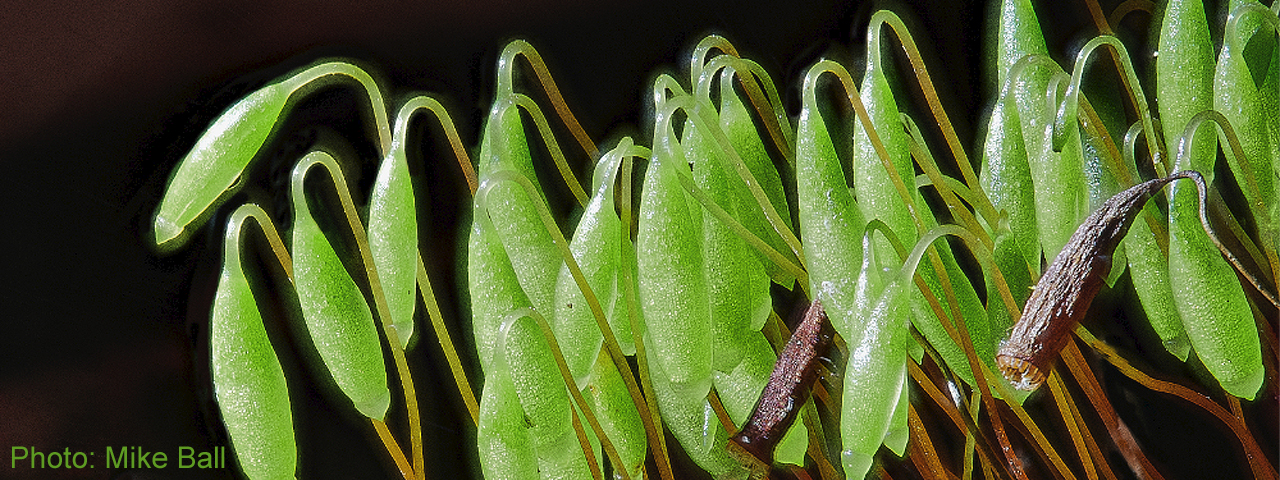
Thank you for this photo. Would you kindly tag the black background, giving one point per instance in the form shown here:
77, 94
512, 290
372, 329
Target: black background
101, 336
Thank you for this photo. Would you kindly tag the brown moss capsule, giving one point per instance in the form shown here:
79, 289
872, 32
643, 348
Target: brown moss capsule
1064, 293
786, 392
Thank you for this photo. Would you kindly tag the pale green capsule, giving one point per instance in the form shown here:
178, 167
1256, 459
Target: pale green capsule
1184, 75
833, 229
530, 248
736, 121
1057, 177
692, 422
1247, 91
1016, 276
1006, 176
337, 316
1018, 35
895, 439
1149, 270
878, 196
1209, 297
737, 284
879, 199
217, 159
248, 381
524, 353
1062, 198
224, 150
492, 285
830, 222
673, 295
1058, 184
596, 246
393, 236
876, 370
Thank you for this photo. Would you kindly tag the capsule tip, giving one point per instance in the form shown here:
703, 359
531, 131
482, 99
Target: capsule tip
1021, 373
165, 230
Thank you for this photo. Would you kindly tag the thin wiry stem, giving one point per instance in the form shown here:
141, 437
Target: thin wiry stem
306, 80
921, 446
1219, 210
389, 442
1120, 433
1062, 400
446, 342
751, 75
1040, 442
1252, 451
1092, 444
268, 227
1071, 104
698, 60
505, 68
925, 159
1258, 208
722, 415
407, 110
544, 130
1129, 6
1104, 27
592, 464
423, 102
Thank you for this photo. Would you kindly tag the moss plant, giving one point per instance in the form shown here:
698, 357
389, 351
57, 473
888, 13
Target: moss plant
633, 338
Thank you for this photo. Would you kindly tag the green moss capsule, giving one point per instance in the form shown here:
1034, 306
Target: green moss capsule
669, 257
338, 318
224, 151
217, 159
597, 247
1209, 296
248, 381
393, 235
1246, 91
876, 370
736, 121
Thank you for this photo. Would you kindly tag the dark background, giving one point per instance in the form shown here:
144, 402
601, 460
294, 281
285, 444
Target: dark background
101, 336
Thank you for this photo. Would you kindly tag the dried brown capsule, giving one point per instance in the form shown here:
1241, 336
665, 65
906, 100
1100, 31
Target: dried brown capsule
787, 390
1064, 293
